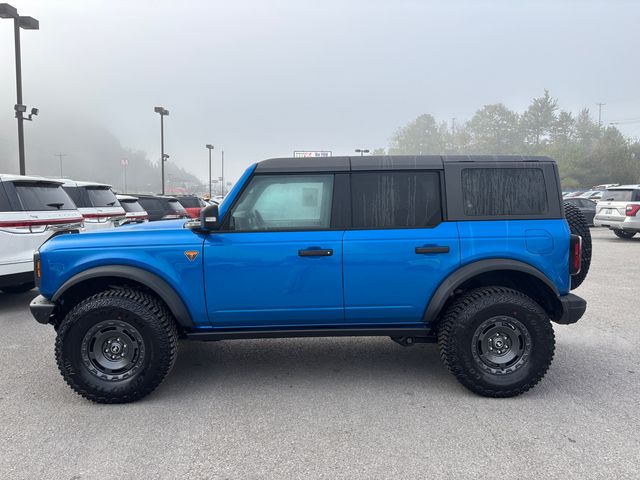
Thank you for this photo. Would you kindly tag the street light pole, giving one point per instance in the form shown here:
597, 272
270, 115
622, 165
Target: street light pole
222, 191
163, 158
209, 147
28, 23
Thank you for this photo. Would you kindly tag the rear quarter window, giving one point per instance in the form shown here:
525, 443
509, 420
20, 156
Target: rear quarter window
489, 192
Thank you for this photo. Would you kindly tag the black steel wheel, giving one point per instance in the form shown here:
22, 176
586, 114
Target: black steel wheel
623, 234
498, 342
116, 346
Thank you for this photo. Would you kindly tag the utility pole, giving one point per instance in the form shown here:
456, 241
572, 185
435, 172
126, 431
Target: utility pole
124, 163
600, 113
222, 173
60, 155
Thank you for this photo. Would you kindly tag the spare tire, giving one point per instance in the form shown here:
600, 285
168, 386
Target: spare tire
579, 226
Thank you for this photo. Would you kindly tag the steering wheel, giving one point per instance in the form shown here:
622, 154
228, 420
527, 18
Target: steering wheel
258, 218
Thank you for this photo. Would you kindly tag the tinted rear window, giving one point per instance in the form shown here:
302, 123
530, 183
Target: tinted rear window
131, 206
395, 199
189, 202
5, 206
41, 196
175, 206
79, 196
102, 197
492, 192
621, 195
151, 204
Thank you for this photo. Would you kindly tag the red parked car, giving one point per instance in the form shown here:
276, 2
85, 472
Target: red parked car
191, 204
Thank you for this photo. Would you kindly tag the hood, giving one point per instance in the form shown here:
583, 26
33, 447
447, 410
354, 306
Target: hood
166, 232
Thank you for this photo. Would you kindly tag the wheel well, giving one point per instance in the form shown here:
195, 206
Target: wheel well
521, 281
79, 291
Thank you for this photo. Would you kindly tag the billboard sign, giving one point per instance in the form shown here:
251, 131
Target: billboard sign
311, 153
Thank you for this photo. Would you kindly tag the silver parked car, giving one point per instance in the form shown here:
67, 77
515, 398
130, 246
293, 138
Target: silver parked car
619, 209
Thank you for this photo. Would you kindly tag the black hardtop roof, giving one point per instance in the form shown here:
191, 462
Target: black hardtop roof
382, 162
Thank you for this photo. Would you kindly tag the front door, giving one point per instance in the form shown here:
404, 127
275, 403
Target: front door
399, 250
276, 261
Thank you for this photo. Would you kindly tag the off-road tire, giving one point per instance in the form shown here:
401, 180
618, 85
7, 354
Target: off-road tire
624, 235
457, 333
146, 324
25, 287
579, 226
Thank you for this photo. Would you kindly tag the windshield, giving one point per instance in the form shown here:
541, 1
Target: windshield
619, 195
131, 206
102, 197
41, 196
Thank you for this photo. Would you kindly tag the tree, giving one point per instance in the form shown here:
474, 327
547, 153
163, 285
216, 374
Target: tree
538, 121
420, 137
493, 130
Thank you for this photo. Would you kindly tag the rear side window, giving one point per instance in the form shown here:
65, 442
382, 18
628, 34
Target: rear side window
131, 206
42, 196
395, 199
489, 192
102, 197
621, 195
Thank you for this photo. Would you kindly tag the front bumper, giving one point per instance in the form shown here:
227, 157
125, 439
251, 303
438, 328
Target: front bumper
42, 309
573, 307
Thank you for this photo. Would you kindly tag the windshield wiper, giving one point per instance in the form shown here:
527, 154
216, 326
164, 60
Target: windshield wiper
57, 205
111, 204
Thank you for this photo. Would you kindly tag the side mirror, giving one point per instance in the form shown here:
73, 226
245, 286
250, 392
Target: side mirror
209, 218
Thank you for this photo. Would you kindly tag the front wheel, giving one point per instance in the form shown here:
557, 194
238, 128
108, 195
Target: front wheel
496, 341
116, 346
624, 234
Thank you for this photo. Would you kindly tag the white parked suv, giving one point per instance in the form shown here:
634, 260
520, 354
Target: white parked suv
134, 212
619, 210
31, 210
97, 203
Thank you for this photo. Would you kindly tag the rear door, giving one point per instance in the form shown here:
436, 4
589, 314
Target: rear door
399, 249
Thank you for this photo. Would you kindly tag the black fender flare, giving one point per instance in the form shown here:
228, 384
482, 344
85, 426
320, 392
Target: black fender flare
457, 278
152, 281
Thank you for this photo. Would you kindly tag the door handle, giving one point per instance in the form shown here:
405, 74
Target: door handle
435, 249
316, 252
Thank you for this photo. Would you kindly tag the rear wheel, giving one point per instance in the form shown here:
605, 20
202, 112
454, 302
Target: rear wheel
25, 287
623, 234
116, 346
496, 341
578, 226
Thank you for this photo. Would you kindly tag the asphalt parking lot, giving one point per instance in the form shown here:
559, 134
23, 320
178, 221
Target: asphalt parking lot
338, 408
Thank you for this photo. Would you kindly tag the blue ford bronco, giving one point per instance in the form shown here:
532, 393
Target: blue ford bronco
476, 253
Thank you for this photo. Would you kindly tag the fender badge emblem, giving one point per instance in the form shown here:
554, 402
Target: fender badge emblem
191, 254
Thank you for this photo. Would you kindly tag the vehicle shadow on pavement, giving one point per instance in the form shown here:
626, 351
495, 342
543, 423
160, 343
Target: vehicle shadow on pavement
303, 363
16, 302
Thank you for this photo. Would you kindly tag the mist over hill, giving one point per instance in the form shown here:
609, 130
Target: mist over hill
90, 153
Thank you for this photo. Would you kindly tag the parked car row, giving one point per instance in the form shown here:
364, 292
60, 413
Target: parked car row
615, 207
32, 209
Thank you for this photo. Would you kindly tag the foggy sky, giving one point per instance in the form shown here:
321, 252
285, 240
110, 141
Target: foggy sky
261, 79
